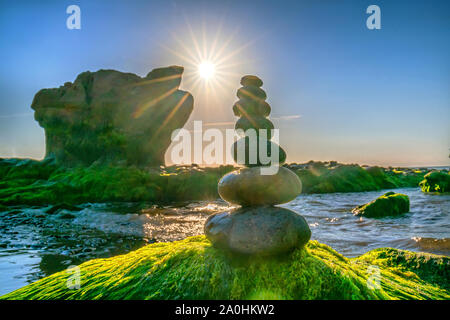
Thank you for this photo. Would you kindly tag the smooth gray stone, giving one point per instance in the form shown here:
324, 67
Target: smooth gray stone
257, 123
248, 187
250, 80
251, 92
249, 107
258, 230
252, 149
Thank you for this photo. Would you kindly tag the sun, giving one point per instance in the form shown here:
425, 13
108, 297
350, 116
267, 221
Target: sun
206, 70
214, 60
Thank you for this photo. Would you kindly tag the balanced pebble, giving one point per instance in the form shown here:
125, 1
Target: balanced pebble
249, 187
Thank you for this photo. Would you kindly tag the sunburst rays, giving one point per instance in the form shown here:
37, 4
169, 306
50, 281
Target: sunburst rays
143, 107
210, 56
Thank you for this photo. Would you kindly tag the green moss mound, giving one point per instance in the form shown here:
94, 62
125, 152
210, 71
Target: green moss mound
42, 182
328, 177
389, 204
25, 181
436, 181
193, 269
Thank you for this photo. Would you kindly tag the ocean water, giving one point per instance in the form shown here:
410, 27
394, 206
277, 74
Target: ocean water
425, 228
34, 244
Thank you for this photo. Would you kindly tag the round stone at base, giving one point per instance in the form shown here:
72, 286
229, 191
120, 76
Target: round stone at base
258, 230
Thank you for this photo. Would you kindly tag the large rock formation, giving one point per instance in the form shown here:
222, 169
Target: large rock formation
110, 116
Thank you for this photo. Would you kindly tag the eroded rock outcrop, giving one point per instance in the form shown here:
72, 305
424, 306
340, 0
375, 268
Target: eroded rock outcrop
113, 117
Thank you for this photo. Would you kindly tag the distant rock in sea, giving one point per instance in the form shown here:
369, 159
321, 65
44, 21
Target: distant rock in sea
389, 204
113, 117
436, 181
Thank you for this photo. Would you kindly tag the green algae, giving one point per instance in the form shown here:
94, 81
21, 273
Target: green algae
40, 183
389, 204
436, 181
321, 178
43, 182
193, 269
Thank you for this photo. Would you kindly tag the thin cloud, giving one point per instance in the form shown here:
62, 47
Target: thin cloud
16, 115
228, 123
290, 117
214, 124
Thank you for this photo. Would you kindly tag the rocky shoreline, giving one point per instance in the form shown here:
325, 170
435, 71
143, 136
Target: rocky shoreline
31, 182
405, 275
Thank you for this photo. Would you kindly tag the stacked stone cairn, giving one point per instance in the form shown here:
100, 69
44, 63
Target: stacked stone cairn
258, 227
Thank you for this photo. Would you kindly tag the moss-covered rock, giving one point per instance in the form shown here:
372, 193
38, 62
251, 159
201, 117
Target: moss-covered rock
24, 181
436, 181
319, 177
389, 204
193, 269
426, 266
113, 117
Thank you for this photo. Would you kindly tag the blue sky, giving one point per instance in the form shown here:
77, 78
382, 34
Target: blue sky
338, 90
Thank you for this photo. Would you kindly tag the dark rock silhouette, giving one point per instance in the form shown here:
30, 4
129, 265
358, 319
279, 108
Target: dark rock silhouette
253, 110
113, 117
258, 227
